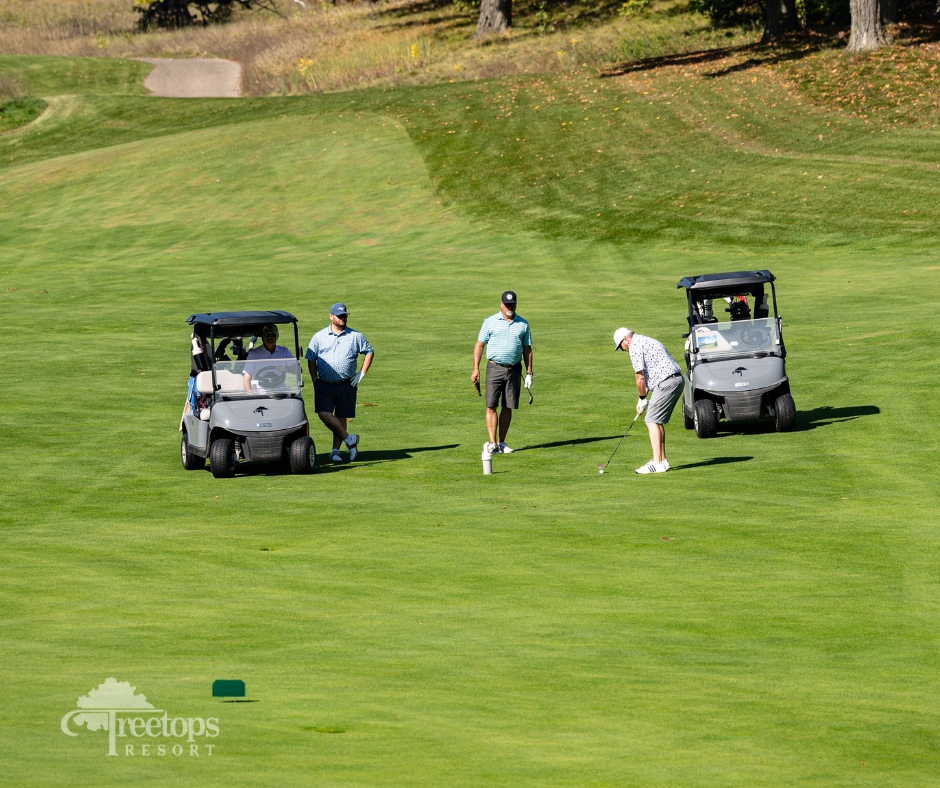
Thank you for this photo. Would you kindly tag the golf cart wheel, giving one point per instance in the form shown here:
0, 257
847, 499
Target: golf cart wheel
303, 456
687, 421
785, 413
222, 458
191, 462
705, 418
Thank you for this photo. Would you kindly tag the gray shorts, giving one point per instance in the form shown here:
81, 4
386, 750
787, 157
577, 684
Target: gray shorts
663, 400
503, 382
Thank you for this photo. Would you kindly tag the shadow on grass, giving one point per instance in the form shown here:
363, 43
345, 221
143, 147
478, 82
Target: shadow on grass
572, 442
709, 463
325, 466
823, 417
783, 50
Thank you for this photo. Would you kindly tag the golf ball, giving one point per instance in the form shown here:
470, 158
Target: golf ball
601, 470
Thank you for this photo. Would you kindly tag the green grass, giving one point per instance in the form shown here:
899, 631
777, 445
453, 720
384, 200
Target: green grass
763, 614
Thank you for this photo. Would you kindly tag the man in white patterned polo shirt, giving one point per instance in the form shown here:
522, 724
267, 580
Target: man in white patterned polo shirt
659, 384
331, 359
508, 342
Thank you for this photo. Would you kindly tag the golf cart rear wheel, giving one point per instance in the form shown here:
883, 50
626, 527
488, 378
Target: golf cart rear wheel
705, 418
222, 458
785, 413
303, 456
191, 462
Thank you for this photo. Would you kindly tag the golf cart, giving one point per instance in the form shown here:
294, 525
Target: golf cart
240, 410
735, 364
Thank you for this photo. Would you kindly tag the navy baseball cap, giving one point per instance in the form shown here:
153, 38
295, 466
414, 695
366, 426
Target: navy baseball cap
508, 298
338, 309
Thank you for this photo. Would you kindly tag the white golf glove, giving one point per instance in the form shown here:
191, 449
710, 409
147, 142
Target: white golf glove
641, 404
528, 381
356, 379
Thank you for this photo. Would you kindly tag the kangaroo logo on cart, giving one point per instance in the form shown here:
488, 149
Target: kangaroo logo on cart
260, 409
740, 371
116, 707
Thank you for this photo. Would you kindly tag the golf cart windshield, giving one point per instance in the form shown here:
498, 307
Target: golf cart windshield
741, 337
260, 378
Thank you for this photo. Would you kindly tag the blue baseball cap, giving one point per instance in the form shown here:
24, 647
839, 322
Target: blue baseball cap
338, 309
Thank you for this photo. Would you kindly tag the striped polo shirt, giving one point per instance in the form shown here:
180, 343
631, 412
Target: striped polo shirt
504, 339
336, 354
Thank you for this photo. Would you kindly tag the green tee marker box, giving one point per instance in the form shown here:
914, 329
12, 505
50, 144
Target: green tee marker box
228, 688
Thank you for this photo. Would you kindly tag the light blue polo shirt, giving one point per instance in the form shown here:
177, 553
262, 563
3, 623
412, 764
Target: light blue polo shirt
336, 354
504, 339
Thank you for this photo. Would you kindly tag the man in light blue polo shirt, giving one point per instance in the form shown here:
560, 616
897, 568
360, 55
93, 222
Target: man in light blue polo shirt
508, 342
331, 359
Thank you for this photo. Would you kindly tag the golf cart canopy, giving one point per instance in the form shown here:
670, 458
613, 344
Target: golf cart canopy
735, 282
222, 324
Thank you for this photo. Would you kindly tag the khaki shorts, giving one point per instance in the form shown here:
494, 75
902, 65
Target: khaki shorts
663, 400
503, 382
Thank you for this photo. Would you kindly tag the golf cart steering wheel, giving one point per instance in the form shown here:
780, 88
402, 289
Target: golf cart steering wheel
755, 337
270, 377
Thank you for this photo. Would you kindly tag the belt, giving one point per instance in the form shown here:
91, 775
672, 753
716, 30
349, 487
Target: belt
507, 366
673, 375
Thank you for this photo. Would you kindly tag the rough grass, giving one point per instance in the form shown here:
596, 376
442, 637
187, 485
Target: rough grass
334, 47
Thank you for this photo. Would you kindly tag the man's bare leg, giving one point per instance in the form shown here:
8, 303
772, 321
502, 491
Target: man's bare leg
657, 441
505, 418
336, 425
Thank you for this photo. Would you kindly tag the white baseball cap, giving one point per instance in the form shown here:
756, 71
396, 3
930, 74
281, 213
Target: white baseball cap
619, 335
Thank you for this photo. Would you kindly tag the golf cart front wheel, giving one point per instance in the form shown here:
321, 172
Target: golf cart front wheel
705, 418
191, 462
303, 455
222, 458
785, 413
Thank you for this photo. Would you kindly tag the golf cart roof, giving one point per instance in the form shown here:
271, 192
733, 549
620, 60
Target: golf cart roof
729, 281
228, 319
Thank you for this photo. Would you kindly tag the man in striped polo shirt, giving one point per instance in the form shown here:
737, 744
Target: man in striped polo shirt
659, 383
508, 342
331, 359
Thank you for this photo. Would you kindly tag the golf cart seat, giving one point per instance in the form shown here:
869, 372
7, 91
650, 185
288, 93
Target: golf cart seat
204, 383
229, 381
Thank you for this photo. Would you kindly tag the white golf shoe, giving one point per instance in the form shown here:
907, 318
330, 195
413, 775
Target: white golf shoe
503, 448
352, 443
654, 467
489, 449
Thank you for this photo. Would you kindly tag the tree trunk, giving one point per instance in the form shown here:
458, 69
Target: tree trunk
868, 31
780, 18
495, 17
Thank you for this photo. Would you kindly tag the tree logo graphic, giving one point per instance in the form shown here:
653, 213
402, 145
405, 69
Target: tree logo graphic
116, 707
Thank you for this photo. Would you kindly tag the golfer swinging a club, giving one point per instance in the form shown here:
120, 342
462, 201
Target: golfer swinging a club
508, 343
659, 384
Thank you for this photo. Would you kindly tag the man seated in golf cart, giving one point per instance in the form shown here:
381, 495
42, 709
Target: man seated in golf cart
254, 378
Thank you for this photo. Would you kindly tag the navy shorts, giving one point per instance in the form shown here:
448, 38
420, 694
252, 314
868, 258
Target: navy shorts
336, 398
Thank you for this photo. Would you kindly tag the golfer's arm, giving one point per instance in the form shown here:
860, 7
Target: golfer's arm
367, 362
312, 368
527, 358
246, 380
641, 384
477, 355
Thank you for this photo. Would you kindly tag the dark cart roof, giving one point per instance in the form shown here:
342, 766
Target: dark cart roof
246, 319
725, 281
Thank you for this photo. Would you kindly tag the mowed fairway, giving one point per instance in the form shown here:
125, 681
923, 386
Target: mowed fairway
765, 613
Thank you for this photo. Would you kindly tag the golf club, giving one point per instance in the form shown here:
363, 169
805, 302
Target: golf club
604, 466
